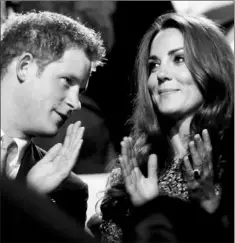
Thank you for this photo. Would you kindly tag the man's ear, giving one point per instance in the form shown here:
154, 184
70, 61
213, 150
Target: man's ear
23, 65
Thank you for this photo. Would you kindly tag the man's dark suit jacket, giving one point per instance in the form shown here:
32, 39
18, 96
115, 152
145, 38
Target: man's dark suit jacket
71, 196
28, 217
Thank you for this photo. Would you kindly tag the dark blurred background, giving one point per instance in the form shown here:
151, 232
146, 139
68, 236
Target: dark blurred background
107, 104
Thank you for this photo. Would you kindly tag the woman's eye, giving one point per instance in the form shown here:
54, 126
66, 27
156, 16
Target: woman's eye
179, 59
153, 66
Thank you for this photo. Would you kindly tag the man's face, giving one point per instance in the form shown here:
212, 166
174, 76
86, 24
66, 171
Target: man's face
48, 99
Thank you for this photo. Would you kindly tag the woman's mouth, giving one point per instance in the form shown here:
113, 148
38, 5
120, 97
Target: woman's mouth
167, 91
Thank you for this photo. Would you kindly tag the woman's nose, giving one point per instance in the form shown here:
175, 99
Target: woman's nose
163, 73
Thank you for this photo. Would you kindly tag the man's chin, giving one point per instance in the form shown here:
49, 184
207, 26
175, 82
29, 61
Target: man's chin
47, 133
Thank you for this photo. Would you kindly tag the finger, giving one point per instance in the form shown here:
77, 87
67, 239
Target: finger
123, 149
78, 136
125, 161
188, 168
207, 140
68, 135
125, 155
127, 176
76, 144
208, 146
196, 160
80, 133
53, 152
75, 154
133, 153
135, 176
123, 166
123, 145
75, 133
130, 147
129, 153
138, 174
130, 141
133, 162
201, 149
152, 166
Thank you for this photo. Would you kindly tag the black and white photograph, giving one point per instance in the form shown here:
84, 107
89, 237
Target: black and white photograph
117, 121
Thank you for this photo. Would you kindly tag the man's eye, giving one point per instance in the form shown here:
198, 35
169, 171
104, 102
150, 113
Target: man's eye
66, 81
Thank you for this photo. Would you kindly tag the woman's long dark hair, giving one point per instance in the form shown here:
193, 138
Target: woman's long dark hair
209, 59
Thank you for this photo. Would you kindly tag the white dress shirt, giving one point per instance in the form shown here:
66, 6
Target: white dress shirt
15, 163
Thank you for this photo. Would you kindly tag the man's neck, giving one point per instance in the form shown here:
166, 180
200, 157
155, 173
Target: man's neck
10, 128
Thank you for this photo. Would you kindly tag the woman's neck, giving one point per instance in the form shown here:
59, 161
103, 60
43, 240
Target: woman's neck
179, 137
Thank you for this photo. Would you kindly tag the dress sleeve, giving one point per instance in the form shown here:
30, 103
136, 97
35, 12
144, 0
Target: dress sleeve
114, 178
110, 231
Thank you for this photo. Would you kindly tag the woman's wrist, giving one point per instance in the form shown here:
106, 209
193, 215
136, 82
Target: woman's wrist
210, 204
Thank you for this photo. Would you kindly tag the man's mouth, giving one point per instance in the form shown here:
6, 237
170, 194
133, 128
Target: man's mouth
63, 116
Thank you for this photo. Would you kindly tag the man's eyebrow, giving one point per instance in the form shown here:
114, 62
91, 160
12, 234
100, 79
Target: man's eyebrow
74, 78
170, 53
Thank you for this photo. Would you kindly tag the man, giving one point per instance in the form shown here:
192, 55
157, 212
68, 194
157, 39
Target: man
46, 61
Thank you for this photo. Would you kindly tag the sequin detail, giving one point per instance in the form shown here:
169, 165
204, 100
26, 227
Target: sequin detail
171, 183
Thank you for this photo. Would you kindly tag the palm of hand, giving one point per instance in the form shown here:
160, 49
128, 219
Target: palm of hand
200, 188
57, 164
46, 175
143, 190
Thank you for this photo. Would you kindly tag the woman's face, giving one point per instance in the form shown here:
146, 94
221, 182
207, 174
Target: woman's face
170, 83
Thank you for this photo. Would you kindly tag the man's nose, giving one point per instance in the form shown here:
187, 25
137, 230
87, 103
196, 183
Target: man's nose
73, 98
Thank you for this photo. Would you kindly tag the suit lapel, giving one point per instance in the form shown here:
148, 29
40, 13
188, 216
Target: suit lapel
31, 157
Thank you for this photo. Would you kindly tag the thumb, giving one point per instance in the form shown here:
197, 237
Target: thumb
53, 152
152, 166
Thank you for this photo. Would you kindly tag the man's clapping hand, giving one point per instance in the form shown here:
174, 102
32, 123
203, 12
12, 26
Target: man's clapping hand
57, 164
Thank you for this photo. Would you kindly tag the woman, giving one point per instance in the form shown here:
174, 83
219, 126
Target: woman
183, 107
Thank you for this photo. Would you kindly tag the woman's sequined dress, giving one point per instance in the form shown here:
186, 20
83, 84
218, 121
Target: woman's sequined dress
171, 183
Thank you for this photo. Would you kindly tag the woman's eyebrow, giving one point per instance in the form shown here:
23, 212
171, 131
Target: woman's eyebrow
170, 53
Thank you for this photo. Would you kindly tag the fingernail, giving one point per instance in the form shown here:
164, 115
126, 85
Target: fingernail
191, 143
197, 137
205, 131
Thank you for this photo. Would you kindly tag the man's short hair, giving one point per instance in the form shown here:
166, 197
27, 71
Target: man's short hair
47, 35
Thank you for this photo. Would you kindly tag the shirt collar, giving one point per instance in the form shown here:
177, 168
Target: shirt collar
21, 143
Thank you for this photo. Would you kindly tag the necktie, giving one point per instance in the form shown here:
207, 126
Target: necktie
9, 151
